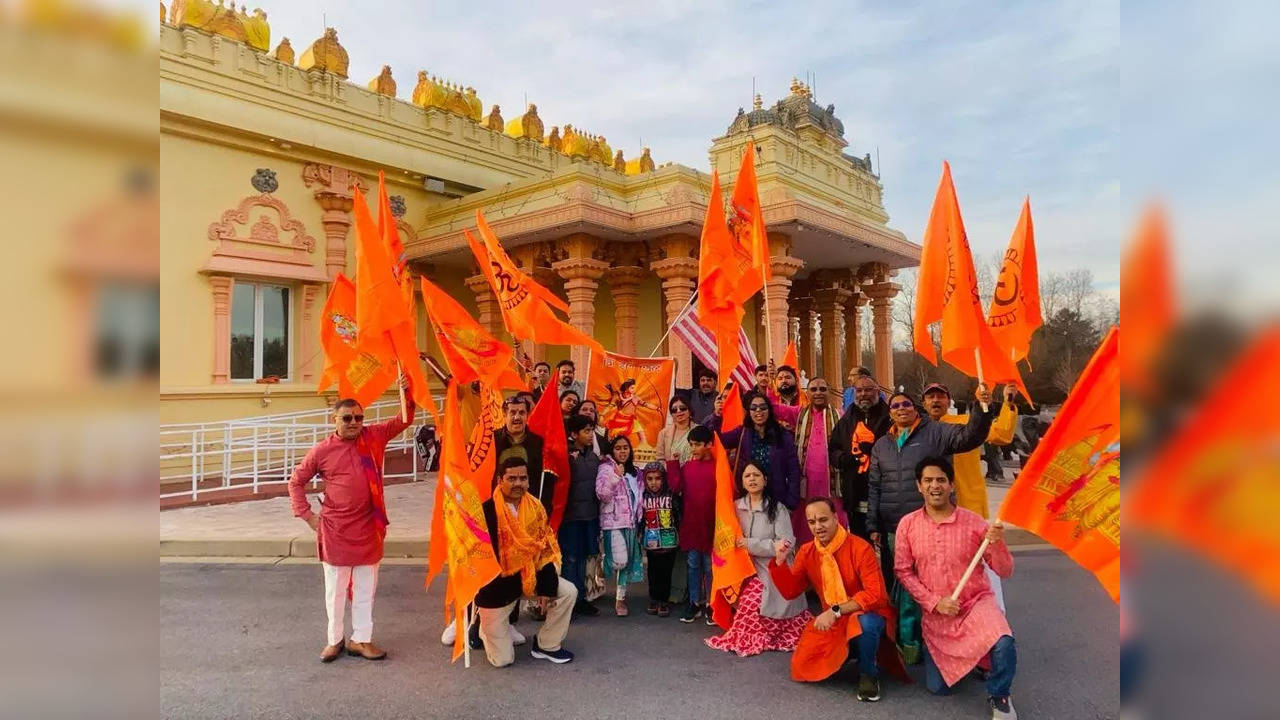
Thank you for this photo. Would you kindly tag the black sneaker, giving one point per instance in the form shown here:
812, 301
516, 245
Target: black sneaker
558, 657
690, 614
585, 608
473, 637
1002, 708
868, 688
707, 614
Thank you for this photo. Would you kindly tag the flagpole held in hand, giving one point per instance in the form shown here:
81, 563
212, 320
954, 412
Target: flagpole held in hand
982, 381
466, 646
404, 406
955, 594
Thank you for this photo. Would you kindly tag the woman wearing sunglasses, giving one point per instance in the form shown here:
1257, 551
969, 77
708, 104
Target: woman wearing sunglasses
762, 439
892, 491
673, 439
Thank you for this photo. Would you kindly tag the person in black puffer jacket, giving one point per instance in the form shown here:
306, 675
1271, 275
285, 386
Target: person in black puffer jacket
892, 491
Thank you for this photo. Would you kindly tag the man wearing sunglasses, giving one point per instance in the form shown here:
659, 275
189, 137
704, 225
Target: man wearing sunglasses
892, 491
352, 521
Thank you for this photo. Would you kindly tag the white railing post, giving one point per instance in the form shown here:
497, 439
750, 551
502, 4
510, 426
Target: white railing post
195, 479
255, 459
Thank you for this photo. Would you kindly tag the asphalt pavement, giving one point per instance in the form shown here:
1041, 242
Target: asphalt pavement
242, 641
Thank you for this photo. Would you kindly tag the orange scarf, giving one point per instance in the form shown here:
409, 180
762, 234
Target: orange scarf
526, 545
833, 592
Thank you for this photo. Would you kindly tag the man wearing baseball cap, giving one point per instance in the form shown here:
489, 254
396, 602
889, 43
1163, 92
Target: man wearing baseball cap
971, 486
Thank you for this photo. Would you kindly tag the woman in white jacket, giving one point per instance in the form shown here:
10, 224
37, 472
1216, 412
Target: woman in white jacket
763, 619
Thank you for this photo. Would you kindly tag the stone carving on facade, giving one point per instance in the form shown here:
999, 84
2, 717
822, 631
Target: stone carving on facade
473, 102
327, 55
384, 84
284, 52
494, 122
264, 231
331, 178
642, 164
553, 140
619, 162
398, 208
432, 92
528, 125
223, 20
795, 111
264, 180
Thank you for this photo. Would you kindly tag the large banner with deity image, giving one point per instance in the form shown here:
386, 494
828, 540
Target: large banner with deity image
631, 396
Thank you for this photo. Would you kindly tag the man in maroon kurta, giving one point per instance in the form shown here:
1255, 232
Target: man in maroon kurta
352, 520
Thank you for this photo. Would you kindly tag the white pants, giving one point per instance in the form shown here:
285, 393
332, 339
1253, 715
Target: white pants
495, 626
618, 556
997, 587
363, 580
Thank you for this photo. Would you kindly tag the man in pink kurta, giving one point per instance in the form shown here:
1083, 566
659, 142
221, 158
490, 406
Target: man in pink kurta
933, 548
813, 426
352, 521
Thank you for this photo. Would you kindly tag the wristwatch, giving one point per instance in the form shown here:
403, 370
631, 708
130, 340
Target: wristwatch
835, 610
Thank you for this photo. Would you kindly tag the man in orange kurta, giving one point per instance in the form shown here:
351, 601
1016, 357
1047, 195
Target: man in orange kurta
853, 594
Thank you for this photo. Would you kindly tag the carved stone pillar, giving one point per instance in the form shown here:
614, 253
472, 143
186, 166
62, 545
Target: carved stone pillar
804, 345
581, 273
487, 312
829, 302
852, 333
332, 186
307, 335
679, 274
784, 268
221, 286
882, 295
624, 285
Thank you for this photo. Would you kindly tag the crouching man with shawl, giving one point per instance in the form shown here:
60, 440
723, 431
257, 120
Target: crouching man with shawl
844, 570
527, 550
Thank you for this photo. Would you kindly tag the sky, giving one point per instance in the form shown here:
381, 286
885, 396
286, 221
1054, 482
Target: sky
1091, 109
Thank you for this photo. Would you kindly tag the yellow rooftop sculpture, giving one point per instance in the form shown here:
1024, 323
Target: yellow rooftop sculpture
327, 55
223, 20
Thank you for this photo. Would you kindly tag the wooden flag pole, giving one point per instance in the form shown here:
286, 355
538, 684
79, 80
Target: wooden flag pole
982, 381
973, 564
466, 644
404, 406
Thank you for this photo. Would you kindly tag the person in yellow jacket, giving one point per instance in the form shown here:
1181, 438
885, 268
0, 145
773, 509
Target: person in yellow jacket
971, 485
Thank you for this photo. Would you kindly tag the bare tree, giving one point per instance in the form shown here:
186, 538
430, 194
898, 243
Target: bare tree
904, 306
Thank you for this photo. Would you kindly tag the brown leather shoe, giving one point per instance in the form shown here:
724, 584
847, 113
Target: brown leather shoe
331, 652
366, 650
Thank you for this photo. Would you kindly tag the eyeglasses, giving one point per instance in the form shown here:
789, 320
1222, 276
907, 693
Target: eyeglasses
349, 418
821, 388
902, 405
679, 408
758, 408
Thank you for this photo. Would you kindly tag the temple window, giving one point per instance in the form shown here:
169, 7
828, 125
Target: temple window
126, 332
260, 341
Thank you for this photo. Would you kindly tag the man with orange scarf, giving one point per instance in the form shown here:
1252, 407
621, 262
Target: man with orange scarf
530, 558
844, 570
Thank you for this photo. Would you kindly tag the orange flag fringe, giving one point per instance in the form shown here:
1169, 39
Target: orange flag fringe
469, 350
525, 305
464, 467
1015, 305
1146, 299
338, 335
1069, 491
1209, 489
722, 265
748, 225
546, 422
947, 290
730, 564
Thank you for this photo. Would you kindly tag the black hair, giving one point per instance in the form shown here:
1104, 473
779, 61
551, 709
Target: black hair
541, 362
576, 423
573, 393
346, 402
789, 369
762, 368
820, 499
514, 400
914, 403
562, 363
626, 384
514, 461
700, 433
772, 430
940, 463
770, 502
705, 372
630, 465
678, 398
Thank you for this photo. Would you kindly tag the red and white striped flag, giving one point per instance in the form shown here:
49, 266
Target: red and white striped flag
703, 346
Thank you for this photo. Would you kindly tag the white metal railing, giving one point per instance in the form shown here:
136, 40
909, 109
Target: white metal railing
250, 453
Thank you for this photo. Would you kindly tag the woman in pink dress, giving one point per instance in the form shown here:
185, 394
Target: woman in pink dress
763, 619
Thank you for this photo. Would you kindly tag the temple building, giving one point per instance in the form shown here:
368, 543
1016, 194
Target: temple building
261, 146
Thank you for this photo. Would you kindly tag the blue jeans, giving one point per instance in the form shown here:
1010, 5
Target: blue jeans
1004, 663
868, 642
578, 541
699, 564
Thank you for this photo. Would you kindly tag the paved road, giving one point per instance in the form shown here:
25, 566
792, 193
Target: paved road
241, 641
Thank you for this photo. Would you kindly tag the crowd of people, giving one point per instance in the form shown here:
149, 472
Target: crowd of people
860, 510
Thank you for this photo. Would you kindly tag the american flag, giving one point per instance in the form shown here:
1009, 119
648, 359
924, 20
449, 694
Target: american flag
703, 345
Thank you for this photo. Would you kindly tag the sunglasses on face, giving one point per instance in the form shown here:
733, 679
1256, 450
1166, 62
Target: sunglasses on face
679, 408
902, 405
759, 408
349, 418
820, 388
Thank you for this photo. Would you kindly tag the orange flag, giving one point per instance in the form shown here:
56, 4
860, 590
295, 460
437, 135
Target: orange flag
1015, 304
733, 414
947, 290
1146, 299
1209, 490
338, 335
1069, 490
547, 423
722, 264
730, 564
459, 517
384, 331
748, 225
523, 302
469, 350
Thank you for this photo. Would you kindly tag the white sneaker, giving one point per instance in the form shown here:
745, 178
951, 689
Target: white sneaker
450, 633
1002, 708
516, 637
